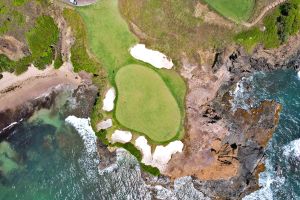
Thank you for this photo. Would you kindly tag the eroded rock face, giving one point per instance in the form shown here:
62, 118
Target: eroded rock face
223, 146
80, 104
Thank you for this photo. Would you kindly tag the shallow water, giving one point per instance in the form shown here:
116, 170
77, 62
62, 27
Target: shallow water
45, 158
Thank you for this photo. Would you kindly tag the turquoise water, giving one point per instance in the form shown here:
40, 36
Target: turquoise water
282, 177
45, 158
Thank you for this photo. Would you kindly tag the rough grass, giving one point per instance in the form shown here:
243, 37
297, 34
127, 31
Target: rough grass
108, 35
145, 104
236, 10
40, 39
280, 24
79, 56
171, 27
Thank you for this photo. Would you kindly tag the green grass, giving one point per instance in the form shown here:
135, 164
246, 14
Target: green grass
19, 2
236, 10
79, 56
40, 39
108, 35
145, 104
283, 22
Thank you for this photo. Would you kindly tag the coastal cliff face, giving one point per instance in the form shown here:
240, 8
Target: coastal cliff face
80, 103
224, 144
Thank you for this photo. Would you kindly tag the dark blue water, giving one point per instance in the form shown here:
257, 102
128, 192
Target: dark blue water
282, 177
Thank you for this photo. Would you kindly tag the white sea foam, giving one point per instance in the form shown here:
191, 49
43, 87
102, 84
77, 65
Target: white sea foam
292, 149
83, 127
10, 126
266, 180
89, 159
108, 101
155, 58
298, 74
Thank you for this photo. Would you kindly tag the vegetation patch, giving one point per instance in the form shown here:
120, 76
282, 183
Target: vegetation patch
172, 28
79, 55
40, 33
41, 40
145, 104
283, 22
236, 10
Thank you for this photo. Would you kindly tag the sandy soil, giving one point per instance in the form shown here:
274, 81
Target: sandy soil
17, 90
12, 48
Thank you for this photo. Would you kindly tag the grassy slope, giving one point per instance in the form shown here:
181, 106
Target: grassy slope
109, 39
108, 35
281, 23
79, 56
172, 28
145, 104
39, 39
237, 10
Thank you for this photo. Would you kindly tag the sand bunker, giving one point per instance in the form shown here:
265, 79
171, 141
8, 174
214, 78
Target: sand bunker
104, 124
155, 58
121, 136
161, 155
108, 101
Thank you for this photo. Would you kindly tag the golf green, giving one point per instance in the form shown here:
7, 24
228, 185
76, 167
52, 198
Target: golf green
145, 104
237, 10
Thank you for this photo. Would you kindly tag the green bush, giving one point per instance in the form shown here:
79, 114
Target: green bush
79, 56
279, 26
41, 39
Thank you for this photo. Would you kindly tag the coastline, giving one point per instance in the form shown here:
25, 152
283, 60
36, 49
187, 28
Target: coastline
222, 144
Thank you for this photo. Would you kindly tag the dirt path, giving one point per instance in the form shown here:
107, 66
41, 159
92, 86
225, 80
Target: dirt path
263, 13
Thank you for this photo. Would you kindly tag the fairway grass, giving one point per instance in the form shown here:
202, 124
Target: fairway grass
109, 37
236, 10
145, 104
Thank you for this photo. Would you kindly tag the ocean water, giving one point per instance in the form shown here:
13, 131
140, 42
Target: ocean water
281, 180
53, 157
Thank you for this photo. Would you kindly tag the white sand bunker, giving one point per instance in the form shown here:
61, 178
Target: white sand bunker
155, 58
161, 155
121, 136
104, 124
108, 101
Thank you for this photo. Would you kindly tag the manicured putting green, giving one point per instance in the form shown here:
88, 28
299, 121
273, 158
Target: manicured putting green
145, 104
237, 10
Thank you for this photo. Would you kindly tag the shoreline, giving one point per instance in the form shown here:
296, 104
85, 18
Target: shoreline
34, 83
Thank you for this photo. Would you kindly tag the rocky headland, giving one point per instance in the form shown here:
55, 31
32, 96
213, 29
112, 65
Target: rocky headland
224, 145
